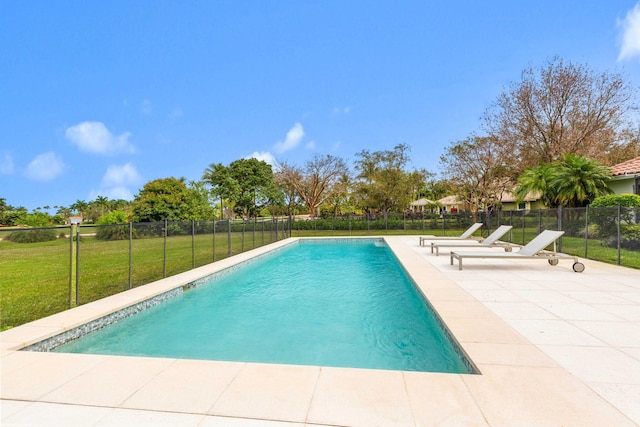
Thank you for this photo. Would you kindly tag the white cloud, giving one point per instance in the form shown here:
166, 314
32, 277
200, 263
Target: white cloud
118, 181
265, 156
114, 193
294, 136
118, 175
45, 167
311, 145
94, 137
6, 164
630, 34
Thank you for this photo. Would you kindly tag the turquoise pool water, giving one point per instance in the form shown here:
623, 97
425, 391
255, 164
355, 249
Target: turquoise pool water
345, 303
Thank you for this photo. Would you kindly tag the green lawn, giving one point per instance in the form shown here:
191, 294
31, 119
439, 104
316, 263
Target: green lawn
35, 277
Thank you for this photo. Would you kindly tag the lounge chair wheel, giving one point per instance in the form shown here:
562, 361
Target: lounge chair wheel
553, 261
578, 267
508, 249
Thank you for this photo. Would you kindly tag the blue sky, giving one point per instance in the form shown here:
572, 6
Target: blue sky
98, 98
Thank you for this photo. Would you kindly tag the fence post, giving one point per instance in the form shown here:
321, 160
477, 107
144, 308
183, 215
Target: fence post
539, 220
77, 264
560, 228
619, 245
253, 234
242, 240
164, 260
71, 265
229, 237
586, 230
193, 243
523, 226
511, 223
130, 254
214, 239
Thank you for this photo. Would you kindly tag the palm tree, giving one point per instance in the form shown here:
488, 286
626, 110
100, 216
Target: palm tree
102, 205
80, 207
578, 180
538, 180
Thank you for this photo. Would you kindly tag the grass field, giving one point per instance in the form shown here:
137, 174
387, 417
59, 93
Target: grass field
35, 276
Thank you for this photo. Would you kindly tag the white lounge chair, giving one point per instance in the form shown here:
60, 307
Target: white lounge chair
468, 232
489, 242
532, 250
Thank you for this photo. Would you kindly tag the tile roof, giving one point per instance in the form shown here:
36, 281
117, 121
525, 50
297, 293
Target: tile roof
625, 168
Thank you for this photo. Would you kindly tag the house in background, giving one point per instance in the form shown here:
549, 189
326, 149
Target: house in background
626, 177
531, 201
452, 204
424, 205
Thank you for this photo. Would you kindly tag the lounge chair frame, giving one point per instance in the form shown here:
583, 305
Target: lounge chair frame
467, 233
533, 250
490, 242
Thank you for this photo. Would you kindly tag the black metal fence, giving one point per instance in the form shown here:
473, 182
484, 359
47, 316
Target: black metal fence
63, 268
606, 234
47, 270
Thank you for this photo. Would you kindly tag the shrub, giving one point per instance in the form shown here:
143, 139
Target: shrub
113, 226
630, 236
615, 200
32, 236
604, 211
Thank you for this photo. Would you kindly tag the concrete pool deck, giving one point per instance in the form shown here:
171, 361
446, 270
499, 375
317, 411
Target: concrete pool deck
554, 348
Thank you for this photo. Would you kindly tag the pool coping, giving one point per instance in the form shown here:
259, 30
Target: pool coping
518, 383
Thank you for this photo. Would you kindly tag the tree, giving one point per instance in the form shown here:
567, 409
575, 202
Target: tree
12, 216
627, 148
166, 198
340, 197
113, 226
572, 182
284, 177
480, 170
80, 207
101, 204
218, 176
385, 184
202, 208
579, 180
558, 109
538, 181
255, 185
316, 182
247, 183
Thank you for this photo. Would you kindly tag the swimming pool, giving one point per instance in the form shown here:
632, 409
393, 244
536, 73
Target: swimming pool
334, 302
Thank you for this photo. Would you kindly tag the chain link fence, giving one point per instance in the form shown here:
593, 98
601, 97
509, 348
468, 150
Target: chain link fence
69, 268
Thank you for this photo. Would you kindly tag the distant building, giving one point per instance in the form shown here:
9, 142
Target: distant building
626, 177
422, 205
452, 204
510, 203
